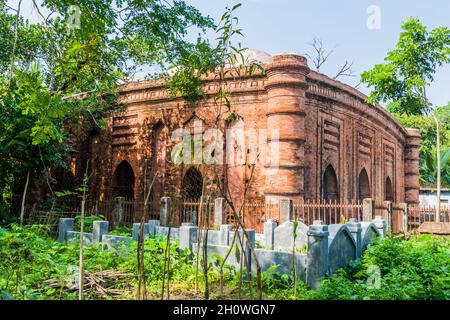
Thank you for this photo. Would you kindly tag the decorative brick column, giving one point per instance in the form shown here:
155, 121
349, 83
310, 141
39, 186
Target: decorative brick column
286, 86
412, 184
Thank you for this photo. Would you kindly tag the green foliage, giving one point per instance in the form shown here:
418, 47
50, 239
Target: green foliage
122, 231
28, 257
224, 60
295, 225
88, 220
428, 155
55, 80
409, 68
417, 268
232, 117
428, 168
5, 295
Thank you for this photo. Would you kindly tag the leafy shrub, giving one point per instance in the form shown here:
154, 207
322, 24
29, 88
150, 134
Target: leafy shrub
29, 257
88, 221
416, 268
121, 231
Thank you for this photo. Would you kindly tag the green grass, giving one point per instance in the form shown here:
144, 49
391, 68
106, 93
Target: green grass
416, 268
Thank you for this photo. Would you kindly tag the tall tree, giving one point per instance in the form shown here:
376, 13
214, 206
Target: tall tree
403, 79
409, 69
46, 66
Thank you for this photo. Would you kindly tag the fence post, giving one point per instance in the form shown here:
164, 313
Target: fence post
64, 225
164, 211
368, 209
355, 228
380, 224
99, 228
404, 206
219, 212
188, 236
389, 216
317, 257
286, 210
117, 212
269, 233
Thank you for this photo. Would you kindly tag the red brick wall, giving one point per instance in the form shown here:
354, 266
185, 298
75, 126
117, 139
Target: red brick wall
321, 122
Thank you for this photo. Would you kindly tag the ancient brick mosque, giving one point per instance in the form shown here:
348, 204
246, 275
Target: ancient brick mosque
332, 145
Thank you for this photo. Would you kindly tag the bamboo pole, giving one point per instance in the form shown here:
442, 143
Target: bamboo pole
438, 159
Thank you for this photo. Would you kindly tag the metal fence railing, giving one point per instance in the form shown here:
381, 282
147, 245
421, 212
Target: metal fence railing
420, 214
195, 211
330, 212
254, 213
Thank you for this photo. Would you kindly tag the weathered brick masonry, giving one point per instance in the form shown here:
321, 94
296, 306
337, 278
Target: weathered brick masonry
332, 144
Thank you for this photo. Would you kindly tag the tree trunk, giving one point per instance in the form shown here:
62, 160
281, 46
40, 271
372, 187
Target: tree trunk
205, 252
81, 260
22, 209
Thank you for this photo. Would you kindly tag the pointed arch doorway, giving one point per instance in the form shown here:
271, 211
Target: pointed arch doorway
123, 181
363, 186
389, 191
192, 184
330, 185
330, 194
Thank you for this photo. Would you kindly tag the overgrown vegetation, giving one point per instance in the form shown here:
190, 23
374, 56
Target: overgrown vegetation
59, 79
402, 82
416, 268
35, 266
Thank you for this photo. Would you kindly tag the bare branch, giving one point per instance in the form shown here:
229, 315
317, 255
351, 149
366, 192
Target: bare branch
320, 54
39, 11
345, 71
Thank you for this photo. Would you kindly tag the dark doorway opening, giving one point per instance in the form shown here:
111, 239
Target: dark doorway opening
123, 181
192, 184
363, 186
330, 184
330, 195
389, 191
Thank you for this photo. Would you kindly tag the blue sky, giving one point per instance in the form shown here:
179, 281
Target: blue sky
278, 26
